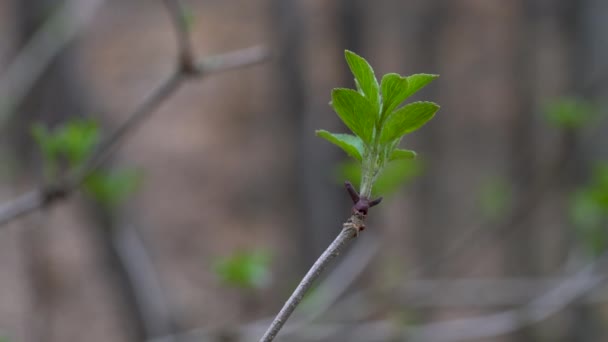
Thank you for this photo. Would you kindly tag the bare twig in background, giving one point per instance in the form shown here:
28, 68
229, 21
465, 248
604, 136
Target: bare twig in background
509, 321
539, 309
40, 198
480, 293
150, 297
54, 35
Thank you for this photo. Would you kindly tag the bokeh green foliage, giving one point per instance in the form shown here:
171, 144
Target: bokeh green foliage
68, 147
394, 176
495, 196
112, 187
589, 211
245, 270
570, 113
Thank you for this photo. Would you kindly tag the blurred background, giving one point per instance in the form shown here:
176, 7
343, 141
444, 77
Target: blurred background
201, 224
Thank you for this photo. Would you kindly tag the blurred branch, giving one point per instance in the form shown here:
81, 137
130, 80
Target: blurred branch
143, 277
46, 196
539, 309
565, 293
50, 39
480, 293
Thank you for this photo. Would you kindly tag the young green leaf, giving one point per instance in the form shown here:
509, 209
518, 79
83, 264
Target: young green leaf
356, 112
402, 154
407, 119
365, 78
351, 144
418, 81
394, 91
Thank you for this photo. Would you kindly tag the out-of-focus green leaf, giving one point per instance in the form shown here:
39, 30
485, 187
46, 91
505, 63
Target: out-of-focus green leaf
187, 16
495, 196
351, 144
395, 175
570, 112
589, 211
246, 270
73, 142
112, 188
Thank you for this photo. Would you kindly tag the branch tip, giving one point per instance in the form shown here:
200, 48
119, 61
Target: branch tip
354, 195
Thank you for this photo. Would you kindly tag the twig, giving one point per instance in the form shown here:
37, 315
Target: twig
182, 31
37, 199
351, 229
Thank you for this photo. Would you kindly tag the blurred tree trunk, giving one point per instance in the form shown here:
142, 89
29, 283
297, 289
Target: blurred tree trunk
303, 86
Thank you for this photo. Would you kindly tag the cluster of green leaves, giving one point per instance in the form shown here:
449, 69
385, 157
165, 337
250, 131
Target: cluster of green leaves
67, 146
589, 211
245, 270
570, 113
373, 114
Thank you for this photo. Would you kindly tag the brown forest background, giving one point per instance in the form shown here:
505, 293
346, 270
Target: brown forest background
231, 164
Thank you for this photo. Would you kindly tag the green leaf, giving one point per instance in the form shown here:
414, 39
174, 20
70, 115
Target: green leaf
394, 92
365, 78
402, 154
351, 144
407, 119
112, 188
246, 270
356, 112
418, 81
67, 145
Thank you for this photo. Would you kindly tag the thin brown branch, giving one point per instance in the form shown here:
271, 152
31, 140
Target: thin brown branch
351, 229
37, 199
